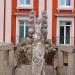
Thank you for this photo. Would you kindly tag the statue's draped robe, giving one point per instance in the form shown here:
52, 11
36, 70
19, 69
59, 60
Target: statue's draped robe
38, 51
38, 59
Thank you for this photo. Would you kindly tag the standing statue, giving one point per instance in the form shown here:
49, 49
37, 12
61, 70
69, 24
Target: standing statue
38, 26
38, 52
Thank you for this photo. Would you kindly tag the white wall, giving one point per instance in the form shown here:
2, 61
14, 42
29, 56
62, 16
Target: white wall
8, 21
49, 14
1, 19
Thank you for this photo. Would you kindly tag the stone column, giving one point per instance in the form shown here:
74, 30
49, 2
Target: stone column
5, 66
2, 63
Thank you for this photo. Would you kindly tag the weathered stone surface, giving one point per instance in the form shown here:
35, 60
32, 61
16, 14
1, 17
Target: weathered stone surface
34, 49
24, 70
49, 70
5, 65
69, 68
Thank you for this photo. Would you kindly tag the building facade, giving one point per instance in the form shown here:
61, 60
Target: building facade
61, 19
14, 16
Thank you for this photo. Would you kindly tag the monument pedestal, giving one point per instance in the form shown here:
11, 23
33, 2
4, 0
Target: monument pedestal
5, 66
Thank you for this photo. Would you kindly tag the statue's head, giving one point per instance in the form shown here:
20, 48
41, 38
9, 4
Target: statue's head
39, 43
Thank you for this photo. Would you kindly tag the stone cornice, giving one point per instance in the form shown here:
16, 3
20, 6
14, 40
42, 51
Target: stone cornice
4, 47
21, 14
65, 15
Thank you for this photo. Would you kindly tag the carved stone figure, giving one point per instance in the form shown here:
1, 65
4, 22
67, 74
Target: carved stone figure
35, 48
38, 59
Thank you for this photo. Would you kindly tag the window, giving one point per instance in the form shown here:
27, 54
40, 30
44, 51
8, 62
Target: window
22, 23
66, 4
24, 4
23, 29
65, 32
22, 1
27, 2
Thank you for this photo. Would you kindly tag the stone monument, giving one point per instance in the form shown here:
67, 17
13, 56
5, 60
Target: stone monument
32, 52
38, 52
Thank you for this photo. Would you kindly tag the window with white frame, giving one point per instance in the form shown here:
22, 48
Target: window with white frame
24, 4
65, 31
65, 3
23, 29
